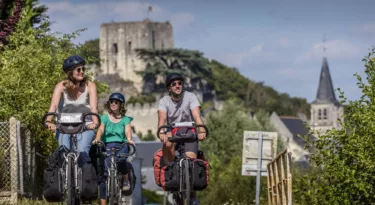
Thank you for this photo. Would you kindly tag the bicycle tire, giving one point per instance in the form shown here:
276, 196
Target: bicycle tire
70, 180
187, 191
112, 190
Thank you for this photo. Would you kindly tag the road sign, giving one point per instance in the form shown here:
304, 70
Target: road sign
259, 148
250, 151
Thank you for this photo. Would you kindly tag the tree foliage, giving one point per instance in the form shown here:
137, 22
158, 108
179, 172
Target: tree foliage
346, 156
191, 63
223, 148
30, 67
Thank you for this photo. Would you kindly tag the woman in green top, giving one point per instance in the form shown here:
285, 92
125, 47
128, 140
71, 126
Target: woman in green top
114, 131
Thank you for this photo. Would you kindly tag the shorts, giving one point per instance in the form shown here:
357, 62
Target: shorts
186, 147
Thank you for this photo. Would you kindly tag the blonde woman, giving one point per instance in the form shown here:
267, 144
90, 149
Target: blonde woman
75, 94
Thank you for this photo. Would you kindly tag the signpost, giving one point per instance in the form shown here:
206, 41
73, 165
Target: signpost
259, 148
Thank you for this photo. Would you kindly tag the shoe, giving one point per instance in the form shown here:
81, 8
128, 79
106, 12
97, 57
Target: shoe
125, 185
194, 202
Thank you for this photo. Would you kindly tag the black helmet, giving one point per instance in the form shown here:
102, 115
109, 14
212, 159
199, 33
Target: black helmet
117, 96
71, 61
172, 77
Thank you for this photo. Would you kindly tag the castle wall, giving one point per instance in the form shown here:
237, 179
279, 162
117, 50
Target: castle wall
119, 40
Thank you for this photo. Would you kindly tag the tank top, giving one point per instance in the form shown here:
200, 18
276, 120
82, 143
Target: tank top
82, 101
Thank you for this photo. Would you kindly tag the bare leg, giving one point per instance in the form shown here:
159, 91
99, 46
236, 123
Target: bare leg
103, 202
168, 150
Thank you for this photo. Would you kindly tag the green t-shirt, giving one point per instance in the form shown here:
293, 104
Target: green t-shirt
114, 132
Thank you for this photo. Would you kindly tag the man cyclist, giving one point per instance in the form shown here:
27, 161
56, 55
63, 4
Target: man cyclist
179, 106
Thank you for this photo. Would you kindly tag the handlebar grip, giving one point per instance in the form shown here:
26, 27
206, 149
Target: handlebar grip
205, 127
161, 127
45, 117
91, 113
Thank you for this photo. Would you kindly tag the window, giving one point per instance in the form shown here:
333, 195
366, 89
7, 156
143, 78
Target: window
325, 113
115, 64
162, 44
129, 47
319, 114
114, 48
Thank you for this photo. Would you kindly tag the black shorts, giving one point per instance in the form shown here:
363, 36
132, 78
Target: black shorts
187, 147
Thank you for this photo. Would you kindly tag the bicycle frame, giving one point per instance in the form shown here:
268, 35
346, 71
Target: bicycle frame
114, 195
182, 159
74, 197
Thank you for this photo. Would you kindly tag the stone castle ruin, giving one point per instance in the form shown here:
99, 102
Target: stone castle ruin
118, 41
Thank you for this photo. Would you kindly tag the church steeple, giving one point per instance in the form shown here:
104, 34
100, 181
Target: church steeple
326, 93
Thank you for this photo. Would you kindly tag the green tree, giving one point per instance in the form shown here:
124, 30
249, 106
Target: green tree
10, 13
223, 148
346, 156
92, 50
164, 61
30, 66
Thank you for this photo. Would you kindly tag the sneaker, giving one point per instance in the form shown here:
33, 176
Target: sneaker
194, 202
125, 185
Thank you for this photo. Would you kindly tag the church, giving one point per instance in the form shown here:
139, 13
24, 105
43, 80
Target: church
325, 111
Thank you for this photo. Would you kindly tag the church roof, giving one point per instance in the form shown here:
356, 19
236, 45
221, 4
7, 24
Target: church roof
297, 127
326, 93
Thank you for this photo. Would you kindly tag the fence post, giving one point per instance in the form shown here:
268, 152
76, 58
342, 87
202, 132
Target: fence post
13, 159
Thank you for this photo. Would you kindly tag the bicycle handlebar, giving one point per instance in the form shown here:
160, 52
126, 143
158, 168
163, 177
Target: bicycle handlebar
121, 155
83, 118
182, 137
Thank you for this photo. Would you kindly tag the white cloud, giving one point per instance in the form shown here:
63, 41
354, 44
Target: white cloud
336, 49
68, 16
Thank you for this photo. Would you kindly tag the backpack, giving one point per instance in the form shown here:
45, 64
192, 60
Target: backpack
170, 177
132, 180
53, 190
158, 163
200, 170
88, 182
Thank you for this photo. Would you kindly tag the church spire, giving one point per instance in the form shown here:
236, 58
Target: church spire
326, 93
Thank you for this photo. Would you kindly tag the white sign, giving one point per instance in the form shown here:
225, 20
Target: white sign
250, 151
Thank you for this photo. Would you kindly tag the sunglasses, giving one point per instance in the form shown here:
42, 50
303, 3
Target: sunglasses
114, 102
81, 69
174, 83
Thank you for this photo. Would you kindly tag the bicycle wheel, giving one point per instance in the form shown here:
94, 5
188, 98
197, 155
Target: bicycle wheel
112, 190
186, 193
70, 182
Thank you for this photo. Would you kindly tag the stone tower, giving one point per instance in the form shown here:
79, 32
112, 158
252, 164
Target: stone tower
118, 41
325, 109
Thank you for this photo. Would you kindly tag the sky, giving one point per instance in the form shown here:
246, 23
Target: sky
279, 42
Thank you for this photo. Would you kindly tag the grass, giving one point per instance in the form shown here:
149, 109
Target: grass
34, 202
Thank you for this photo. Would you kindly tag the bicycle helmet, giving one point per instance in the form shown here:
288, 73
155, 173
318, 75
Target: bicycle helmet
71, 61
172, 77
117, 96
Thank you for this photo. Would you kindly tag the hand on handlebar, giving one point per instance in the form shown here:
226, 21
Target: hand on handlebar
51, 126
95, 141
201, 136
164, 137
131, 142
91, 126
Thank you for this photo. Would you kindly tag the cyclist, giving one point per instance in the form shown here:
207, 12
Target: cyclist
179, 106
114, 131
75, 94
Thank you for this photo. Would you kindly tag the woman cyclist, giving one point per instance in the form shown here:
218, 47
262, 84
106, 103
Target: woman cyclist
114, 131
75, 94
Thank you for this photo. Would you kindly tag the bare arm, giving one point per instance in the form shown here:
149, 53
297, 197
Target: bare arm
197, 118
99, 133
128, 131
162, 116
55, 100
93, 95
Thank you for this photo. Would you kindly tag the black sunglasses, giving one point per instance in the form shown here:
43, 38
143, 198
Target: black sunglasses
79, 69
174, 83
114, 102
